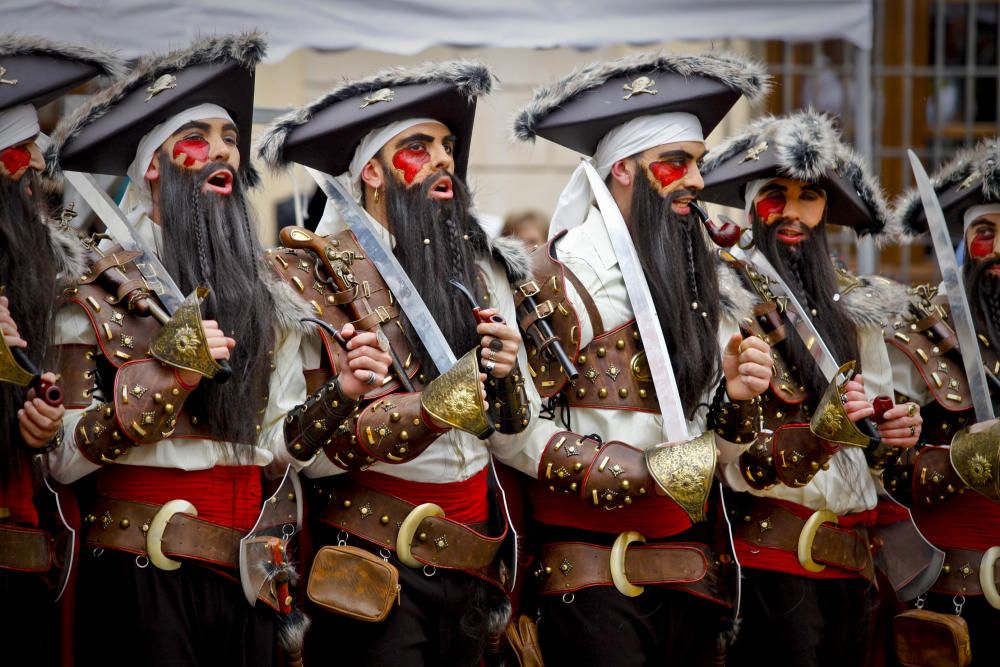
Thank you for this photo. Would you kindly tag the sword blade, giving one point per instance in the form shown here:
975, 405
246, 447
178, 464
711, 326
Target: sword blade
654, 344
118, 226
68, 542
961, 316
392, 272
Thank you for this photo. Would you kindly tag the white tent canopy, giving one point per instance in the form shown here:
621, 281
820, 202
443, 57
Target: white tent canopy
407, 27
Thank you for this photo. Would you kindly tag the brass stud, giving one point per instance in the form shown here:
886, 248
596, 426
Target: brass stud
643, 393
581, 392
422, 537
124, 524
601, 351
623, 392
404, 436
395, 416
603, 392
582, 359
620, 344
384, 519
347, 504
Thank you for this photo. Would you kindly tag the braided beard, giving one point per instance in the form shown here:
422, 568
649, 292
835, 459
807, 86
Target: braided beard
455, 240
28, 272
211, 240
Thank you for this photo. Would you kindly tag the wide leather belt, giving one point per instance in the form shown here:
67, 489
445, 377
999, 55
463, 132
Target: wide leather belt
421, 535
966, 570
124, 525
25, 549
566, 567
772, 526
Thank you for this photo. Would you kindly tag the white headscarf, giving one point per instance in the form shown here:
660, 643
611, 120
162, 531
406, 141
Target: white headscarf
18, 124
369, 147
976, 212
635, 136
138, 195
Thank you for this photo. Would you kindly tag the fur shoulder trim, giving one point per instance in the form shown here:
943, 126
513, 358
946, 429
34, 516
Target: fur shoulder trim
289, 307
874, 301
30, 45
747, 77
470, 78
736, 299
68, 250
513, 256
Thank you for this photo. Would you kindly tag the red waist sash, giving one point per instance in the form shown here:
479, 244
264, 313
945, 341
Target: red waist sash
463, 502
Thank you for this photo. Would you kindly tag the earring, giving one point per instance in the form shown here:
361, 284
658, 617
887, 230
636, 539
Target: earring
376, 195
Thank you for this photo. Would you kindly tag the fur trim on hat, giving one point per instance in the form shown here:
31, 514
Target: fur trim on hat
981, 163
748, 78
30, 45
246, 49
470, 78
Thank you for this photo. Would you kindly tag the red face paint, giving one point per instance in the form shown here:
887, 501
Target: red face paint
667, 172
768, 207
15, 159
982, 244
193, 150
410, 162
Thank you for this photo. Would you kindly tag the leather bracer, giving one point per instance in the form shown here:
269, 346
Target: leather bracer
98, 437
735, 421
148, 397
609, 475
310, 425
792, 456
396, 429
935, 480
508, 402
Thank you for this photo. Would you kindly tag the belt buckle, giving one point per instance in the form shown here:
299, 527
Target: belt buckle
154, 536
987, 576
408, 530
808, 535
618, 576
544, 309
529, 288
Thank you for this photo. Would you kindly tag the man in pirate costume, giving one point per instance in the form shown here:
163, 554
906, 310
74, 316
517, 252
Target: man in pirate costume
595, 484
35, 252
936, 479
794, 177
419, 485
175, 457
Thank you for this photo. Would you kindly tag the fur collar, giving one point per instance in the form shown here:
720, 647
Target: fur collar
68, 250
513, 256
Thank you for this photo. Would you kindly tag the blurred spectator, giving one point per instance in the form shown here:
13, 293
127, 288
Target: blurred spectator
529, 225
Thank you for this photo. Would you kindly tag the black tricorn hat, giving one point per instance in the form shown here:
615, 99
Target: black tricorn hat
971, 178
325, 133
805, 146
579, 109
36, 71
102, 136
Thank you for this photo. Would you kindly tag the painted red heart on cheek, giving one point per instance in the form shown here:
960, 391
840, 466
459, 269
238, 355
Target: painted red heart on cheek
15, 159
410, 162
667, 172
982, 246
193, 150
768, 207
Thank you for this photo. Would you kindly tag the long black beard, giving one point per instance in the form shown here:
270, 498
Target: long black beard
680, 270
455, 240
982, 289
210, 240
808, 271
28, 272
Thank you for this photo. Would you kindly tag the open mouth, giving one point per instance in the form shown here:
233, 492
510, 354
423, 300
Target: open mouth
790, 234
682, 205
219, 182
442, 189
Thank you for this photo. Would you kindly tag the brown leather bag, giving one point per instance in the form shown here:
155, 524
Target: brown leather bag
925, 638
522, 635
353, 582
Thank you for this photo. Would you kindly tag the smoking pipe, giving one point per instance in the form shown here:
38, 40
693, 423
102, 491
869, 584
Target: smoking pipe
724, 234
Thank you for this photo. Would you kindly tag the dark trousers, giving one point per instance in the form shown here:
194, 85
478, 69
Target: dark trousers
191, 617
801, 622
600, 626
29, 632
984, 625
440, 620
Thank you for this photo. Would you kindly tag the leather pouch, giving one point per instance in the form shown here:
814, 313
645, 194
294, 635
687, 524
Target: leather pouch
925, 638
353, 582
522, 635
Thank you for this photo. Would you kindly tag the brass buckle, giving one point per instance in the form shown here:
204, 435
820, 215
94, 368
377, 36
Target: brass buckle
544, 309
154, 536
622, 542
408, 530
383, 314
987, 576
808, 535
529, 288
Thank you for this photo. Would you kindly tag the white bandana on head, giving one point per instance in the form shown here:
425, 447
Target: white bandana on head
635, 136
369, 147
18, 124
753, 189
976, 212
138, 195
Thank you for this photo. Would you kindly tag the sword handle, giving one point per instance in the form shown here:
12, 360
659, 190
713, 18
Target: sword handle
52, 394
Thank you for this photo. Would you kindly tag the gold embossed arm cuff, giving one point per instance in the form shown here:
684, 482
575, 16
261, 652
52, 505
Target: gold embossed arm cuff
396, 429
310, 425
98, 437
608, 475
148, 398
508, 402
736, 421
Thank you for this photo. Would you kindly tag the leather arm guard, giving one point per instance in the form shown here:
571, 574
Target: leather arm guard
98, 437
148, 397
609, 475
897, 478
309, 426
736, 421
791, 456
395, 429
508, 402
